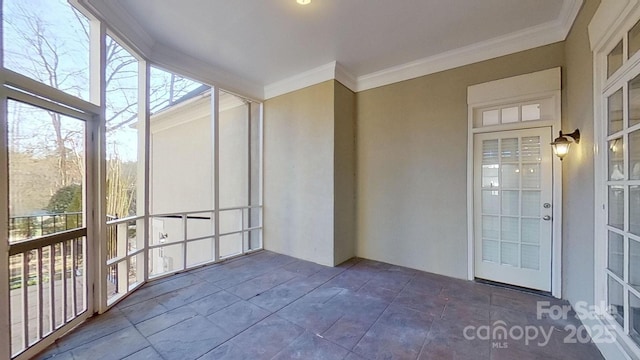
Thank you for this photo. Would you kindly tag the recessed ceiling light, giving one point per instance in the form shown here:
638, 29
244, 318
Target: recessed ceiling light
304, 2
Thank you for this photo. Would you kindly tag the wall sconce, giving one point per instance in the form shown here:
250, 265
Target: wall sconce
561, 144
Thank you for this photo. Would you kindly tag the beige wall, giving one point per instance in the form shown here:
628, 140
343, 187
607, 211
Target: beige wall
412, 163
578, 171
345, 174
298, 173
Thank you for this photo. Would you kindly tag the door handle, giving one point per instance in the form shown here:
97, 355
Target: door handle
546, 217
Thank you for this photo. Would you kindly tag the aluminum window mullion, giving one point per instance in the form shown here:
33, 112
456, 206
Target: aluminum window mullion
22, 82
5, 317
144, 113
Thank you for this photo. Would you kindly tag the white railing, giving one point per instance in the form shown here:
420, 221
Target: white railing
177, 241
48, 287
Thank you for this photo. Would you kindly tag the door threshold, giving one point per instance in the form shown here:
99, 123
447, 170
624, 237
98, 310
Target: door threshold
514, 287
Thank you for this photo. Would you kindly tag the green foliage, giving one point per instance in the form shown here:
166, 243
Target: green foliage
66, 199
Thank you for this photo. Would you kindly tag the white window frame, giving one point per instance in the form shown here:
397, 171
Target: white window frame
608, 27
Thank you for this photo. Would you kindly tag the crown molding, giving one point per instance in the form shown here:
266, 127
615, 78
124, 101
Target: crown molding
526, 39
310, 77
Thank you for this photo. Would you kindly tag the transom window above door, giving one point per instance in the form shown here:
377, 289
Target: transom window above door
519, 112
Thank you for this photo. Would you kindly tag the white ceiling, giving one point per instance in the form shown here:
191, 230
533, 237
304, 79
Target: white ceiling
267, 47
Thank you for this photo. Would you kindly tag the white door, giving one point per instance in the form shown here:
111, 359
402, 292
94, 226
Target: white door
513, 208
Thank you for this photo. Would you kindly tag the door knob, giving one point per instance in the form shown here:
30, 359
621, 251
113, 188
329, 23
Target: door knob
546, 217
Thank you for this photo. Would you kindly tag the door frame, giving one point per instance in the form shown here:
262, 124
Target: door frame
541, 85
38, 95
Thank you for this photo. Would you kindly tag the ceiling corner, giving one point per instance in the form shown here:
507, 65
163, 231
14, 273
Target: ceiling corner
198, 70
121, 24
302, 80
568, 15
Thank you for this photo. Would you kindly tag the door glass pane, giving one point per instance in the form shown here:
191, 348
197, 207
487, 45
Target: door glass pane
490, 251
510, 115
490, 202
490, 176
491, 227
509, 254
615, 300
531, 257
530, 231
511, 203
614, 59
634, 39
634, 209
531, 148
510, 151
634, 101
616, 159
490, 167
530, 112
634, 155
509, 229
615, 112
511, 176
490, 152
47, 42
616, 254
634, 263
46, 171
616, 206
531, 176
531, 203
490, 117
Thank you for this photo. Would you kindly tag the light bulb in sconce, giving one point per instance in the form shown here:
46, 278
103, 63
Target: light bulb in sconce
303, 2
561, 144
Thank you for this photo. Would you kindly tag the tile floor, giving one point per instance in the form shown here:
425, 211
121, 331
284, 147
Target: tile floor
271, 306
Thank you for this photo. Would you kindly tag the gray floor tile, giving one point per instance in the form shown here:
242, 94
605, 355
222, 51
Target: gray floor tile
166, 320
316, 317
347, 332
238, 317
114, 346
94, 328
261, 284
399, 334
143, 311
282, 295
268, 337
428, 304
147, 353
213, 303
187, 295
189, 339
312, 347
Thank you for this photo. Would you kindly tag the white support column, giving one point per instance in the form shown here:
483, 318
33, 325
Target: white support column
144, 150
215, 95
95, 188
